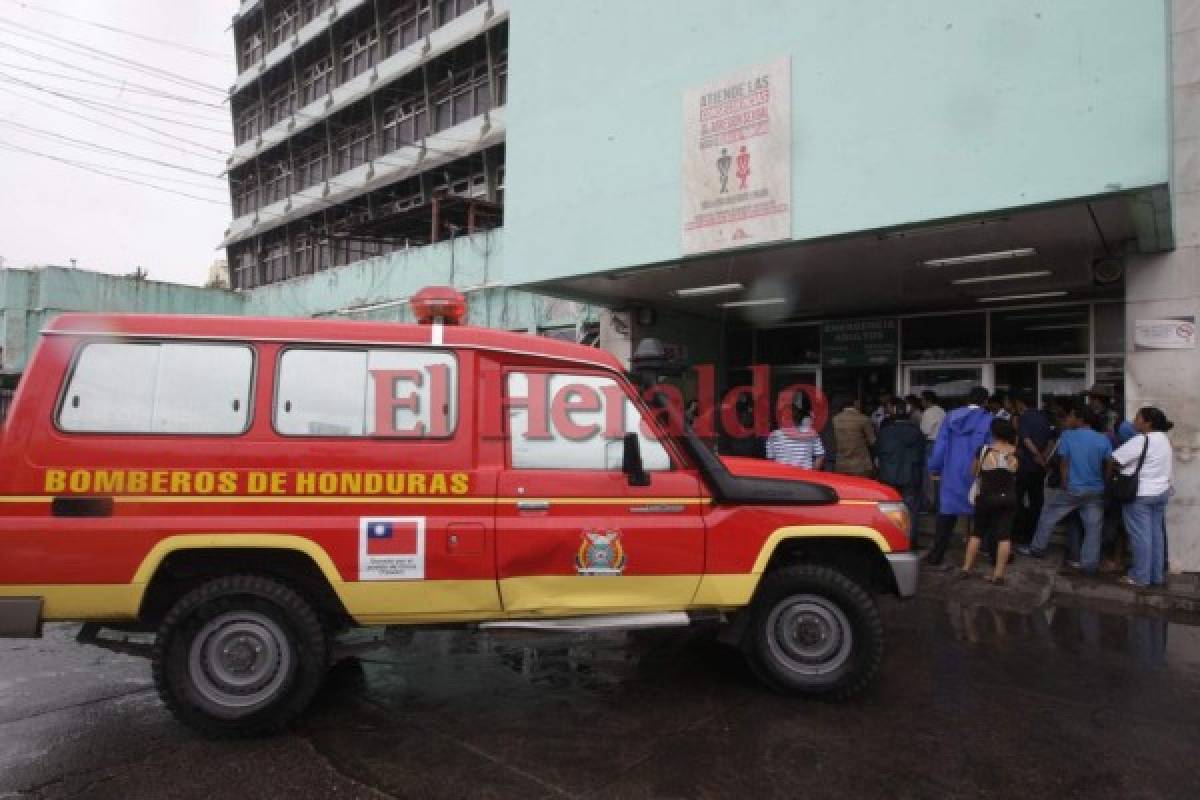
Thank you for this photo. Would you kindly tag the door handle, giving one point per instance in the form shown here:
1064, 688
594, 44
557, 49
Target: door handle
533, 505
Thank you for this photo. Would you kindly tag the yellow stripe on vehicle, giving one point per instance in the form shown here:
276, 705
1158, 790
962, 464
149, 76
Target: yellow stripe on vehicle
433, 500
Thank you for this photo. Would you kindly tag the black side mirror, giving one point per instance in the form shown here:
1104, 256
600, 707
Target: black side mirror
631, 461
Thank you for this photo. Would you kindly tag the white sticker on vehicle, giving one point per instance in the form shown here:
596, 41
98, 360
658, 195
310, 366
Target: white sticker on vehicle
391, 548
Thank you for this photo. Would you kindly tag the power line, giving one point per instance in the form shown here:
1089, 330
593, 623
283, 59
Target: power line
121, 110
121, 82
101, 148
114, 29
123, 170
78, 165
123, 88
102, 55
102, 124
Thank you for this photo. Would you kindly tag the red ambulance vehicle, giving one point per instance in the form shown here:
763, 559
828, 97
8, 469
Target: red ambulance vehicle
246, 489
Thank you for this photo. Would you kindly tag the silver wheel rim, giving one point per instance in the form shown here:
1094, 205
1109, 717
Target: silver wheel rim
239, 661
808, 634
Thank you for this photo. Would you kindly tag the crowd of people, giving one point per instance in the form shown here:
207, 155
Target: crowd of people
1012, 471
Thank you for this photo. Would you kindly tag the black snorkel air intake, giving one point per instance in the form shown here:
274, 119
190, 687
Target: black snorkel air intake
648, 365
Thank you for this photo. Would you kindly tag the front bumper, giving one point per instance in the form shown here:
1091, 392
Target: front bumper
20, 617
906, 568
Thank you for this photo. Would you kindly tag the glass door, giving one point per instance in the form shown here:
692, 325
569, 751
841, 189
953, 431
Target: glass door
1062, 379
951, 382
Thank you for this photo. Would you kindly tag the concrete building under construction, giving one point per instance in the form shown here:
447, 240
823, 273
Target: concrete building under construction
361, 128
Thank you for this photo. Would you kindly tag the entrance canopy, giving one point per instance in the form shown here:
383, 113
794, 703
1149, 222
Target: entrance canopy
1060, 253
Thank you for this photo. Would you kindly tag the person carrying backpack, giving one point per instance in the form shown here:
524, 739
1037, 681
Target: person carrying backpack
996, 499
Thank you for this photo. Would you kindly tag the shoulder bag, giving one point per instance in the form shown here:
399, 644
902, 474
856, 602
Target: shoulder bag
1124, 488
973, 493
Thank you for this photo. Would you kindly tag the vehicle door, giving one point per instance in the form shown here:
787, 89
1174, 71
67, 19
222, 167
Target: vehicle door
572, 532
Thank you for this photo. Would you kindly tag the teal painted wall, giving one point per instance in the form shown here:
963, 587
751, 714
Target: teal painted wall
379, 288
901, 113
375, 289
32, 297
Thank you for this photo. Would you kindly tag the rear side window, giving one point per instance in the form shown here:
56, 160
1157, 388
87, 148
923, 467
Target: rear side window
159, 387
405, 393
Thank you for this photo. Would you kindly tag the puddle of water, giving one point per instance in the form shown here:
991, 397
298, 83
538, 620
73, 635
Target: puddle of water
1150, 640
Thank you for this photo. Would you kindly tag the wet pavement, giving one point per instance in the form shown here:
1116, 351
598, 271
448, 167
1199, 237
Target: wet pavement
972, 701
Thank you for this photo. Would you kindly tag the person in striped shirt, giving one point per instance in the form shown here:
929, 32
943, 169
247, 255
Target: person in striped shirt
797, 446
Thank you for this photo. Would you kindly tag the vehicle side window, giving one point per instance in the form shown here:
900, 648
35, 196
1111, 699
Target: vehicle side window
159, 387
405, 393
566, 449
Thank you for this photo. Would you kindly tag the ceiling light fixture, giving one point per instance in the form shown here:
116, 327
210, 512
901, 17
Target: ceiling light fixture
980, 258
1033, 296
701, 291
1009, 276
932, 229
1066, 326
766, 301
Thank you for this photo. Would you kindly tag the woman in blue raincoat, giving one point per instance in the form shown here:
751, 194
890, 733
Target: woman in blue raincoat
963, 434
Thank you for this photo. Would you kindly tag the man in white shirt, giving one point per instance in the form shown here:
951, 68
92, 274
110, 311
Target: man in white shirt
932, 416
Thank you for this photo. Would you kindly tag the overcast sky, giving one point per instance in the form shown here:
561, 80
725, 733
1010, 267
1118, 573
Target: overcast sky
51, 212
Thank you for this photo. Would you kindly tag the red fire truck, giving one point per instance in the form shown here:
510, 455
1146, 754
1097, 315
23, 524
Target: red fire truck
246, 489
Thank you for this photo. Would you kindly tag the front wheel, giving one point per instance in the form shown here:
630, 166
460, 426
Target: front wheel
241, 655
813, 631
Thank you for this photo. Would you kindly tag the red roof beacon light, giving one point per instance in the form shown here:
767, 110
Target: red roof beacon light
439, 304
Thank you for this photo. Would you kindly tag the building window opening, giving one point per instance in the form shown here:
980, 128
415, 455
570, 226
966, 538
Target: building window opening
406, 24
284, 23
952, 337
251, 51
280, 102
352, 146
1053, 331
359, 53
316, 79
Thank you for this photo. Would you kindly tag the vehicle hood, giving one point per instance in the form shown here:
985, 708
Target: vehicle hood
847, 487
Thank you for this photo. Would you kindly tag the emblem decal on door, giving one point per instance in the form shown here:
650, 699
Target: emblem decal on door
600, 554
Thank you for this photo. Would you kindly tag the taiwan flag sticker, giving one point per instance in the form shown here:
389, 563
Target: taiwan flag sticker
391, 548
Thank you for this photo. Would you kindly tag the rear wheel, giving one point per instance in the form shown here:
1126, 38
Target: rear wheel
241, 655
813, 631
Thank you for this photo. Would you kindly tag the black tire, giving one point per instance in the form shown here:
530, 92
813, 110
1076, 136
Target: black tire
241, 655
813, 631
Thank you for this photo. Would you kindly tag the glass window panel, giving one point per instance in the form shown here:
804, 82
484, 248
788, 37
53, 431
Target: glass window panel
203, 389
1040, 332
798, 345
322, 393
333, 392
948, 338
952, 384
1110, 327
111, 389
559, 451
422, 390
1062, 379
159, 388
1111, 370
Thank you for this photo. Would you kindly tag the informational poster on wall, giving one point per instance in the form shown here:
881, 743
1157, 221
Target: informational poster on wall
737, 160
1173, 333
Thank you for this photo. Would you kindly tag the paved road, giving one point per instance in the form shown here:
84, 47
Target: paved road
972, 702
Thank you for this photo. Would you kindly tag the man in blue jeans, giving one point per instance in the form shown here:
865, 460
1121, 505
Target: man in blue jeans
1084, 453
